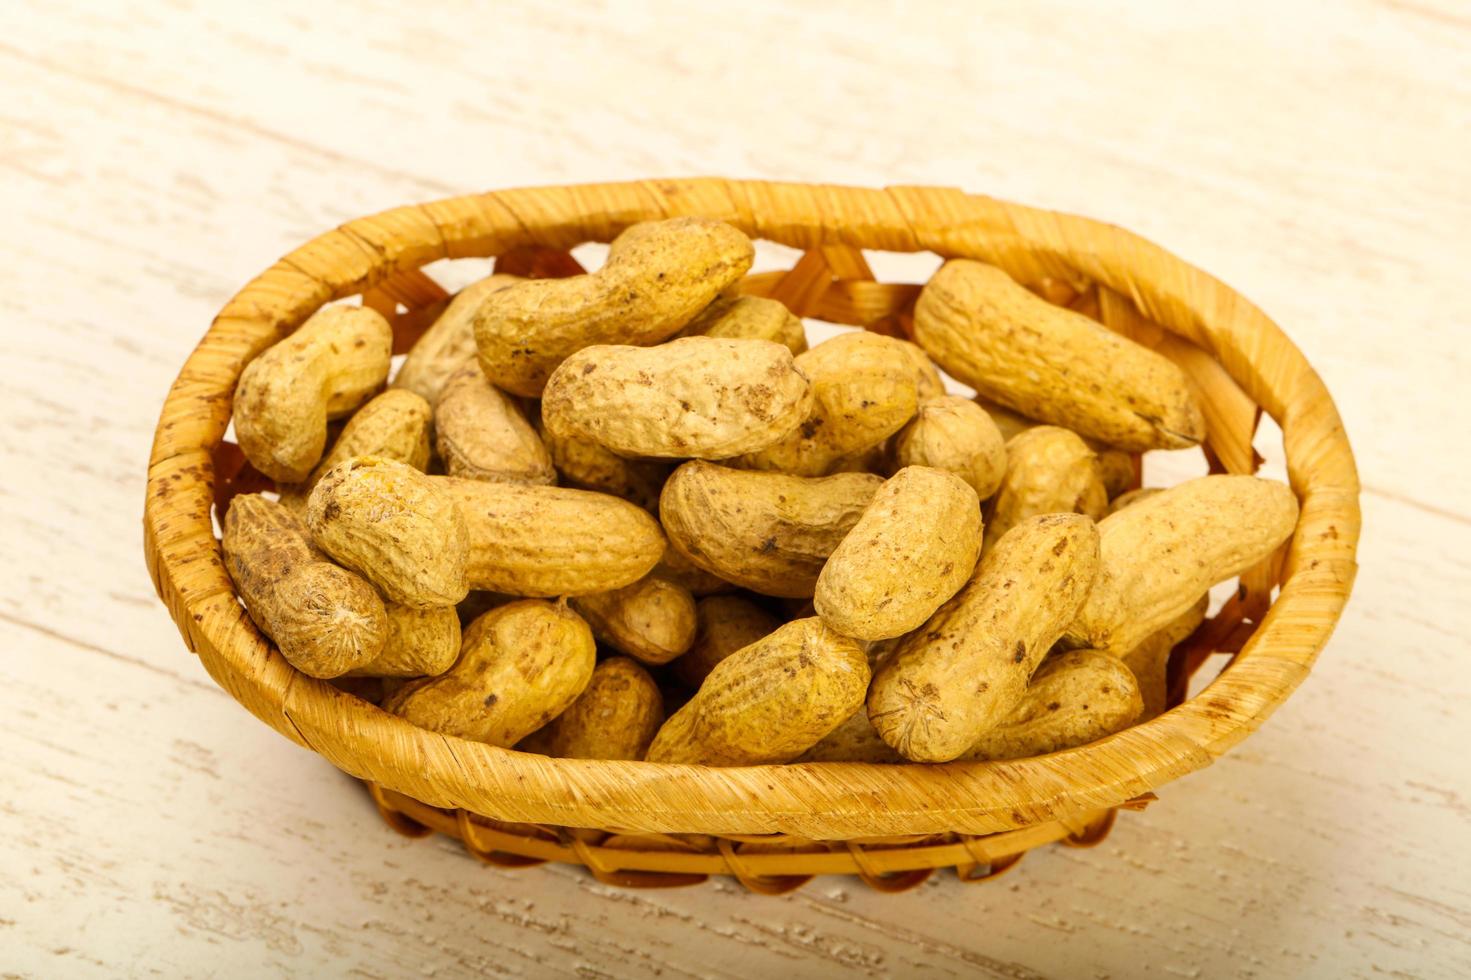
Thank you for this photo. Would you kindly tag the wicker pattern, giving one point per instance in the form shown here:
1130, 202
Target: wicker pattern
910, 818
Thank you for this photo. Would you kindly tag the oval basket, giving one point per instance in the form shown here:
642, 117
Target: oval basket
772, 827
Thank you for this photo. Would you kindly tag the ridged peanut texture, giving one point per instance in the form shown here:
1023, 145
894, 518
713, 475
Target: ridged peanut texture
481, 434
768, 532
448, 346
1052, 364
914, 547
657, 277
962, 672
749, 318
769, 702
394, 526
394, 425
615, 717
332, 364
696, 397
325, 620
864, 388
1049, 470
724, 624
520, 666
1074, 698
1162, 552
551, 541
956, 435
652, 620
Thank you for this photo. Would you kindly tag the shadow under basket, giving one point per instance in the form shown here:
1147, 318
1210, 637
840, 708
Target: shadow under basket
772, 827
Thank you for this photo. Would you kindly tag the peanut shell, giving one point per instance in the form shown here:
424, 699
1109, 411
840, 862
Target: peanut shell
658, 276
962, 672
1052, 364
914, 547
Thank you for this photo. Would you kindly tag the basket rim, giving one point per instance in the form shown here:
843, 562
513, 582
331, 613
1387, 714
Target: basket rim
816, 800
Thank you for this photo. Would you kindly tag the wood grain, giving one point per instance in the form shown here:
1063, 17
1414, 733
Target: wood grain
158, 156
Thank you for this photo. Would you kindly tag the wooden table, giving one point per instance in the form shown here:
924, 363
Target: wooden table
158, 155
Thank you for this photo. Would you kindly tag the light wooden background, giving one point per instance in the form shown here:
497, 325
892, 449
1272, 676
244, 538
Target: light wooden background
155, 156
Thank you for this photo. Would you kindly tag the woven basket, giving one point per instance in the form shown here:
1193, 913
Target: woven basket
772, 827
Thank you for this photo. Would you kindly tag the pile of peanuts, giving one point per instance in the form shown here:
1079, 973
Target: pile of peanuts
630, 515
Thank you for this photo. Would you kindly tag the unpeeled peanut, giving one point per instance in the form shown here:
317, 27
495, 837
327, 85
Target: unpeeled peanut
956, 435
325, 620
1161, 553
768, 532
520, 666
1048, 471
963, 671
332, 364
393, 525
421, 642
615, 717
1074, 698
652, 620
481, 434
697, 397
1116, 470
658, 276
448, 346
551, 541
863, 391
853, 741
1150, 659
586, 465
769, 702
1131, 497
914, 547
1052, 364
724, 624
750, 318
394, 425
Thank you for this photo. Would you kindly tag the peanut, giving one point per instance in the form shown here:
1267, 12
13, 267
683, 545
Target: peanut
963, 671
584, 464
724, 624
769, 702
863, 391
550, 541
749, 318
1048, 471
853, 741
1150, 660
1115, 466
393, 425
1052, 364
1075, 698
615, 717
448, 346
658, 276
678, 569
652, 620
286, 395
324, 619
520, 666
884, 579
420, 642
1131, 497
927, 381
394, 526
768, 532
696, 397
482, 435
956, 435
1159, 554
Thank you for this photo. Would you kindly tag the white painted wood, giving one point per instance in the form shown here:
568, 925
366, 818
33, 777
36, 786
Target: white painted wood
156, 156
